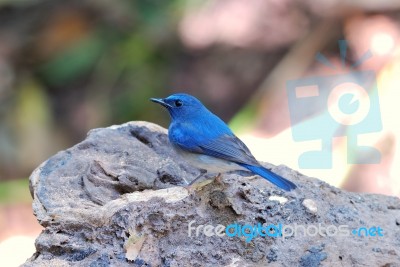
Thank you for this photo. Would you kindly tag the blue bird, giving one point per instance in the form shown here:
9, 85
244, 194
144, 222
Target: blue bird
206, 142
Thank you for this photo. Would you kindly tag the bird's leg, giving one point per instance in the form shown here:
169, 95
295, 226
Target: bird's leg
196, 187
218, 178
202, 172
199, 186
253, 177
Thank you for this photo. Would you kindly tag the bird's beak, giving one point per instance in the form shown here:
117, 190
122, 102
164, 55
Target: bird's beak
161, 102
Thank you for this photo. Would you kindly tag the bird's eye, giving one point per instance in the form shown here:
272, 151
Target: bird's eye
178, 103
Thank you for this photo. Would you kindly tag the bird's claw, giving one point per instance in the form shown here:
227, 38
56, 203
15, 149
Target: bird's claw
198, 186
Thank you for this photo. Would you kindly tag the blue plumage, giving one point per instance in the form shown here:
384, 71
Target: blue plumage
208, 143
270, 176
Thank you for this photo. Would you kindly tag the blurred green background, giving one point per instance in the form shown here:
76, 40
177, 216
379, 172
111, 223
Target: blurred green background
69, 66
66, 68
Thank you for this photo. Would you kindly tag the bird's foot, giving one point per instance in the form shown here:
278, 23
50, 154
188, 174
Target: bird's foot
218, 178
253, 177
202, 172
198, 186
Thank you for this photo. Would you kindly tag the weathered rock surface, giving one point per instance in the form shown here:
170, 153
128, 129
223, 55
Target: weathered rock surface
116, 199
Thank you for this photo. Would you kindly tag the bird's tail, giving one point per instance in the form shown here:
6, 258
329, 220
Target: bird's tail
270, 176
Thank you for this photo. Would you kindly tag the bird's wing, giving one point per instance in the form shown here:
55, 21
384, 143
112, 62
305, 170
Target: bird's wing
227, 147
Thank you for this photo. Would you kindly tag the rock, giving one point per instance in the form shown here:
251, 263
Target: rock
310, 205
281, 200
117, 199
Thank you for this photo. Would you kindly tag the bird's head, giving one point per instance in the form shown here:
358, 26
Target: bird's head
180, 106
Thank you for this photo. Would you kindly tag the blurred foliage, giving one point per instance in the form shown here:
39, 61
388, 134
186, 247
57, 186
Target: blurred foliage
75, 66
244, 120
69, 66
15, 191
